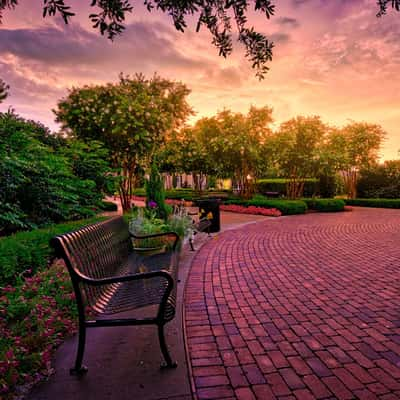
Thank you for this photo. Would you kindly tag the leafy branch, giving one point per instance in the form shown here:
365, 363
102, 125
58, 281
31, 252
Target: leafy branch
215, 15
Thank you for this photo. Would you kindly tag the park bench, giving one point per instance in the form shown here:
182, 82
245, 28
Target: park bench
109, 279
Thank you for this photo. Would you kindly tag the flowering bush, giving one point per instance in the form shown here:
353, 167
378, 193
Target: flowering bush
35, 316
270, 212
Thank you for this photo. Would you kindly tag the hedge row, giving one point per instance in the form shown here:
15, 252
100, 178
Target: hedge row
279, 186
286, 207
187, 194
31, 250
379, 203
325, 205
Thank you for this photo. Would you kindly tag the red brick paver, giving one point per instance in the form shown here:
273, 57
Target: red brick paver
303, 307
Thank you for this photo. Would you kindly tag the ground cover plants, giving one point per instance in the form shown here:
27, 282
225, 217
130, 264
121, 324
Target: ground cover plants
36, 314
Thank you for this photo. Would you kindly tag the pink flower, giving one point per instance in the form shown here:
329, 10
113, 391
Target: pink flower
253, 210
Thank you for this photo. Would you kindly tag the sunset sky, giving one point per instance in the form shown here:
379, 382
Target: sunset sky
332, 58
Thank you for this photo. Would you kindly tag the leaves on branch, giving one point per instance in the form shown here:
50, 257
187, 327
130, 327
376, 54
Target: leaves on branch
215, 15
3, 90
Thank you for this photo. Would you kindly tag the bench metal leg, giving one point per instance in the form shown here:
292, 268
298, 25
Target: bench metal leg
80, 369
164, 349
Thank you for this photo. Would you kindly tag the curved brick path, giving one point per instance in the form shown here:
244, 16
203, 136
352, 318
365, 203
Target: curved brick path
298, 307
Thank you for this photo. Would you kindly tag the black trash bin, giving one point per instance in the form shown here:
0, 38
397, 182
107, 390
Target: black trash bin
209, 208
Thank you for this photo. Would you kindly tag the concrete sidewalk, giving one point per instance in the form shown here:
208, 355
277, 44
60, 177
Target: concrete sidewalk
124, 362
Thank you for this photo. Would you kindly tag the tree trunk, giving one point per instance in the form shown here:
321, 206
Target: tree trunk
350, 182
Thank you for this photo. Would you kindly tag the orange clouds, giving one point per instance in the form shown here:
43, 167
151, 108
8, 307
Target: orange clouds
334, 59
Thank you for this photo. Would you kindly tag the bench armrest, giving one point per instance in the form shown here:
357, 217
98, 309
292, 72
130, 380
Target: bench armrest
153, 235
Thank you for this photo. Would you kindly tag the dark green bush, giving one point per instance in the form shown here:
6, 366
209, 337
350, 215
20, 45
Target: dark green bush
286, 207
40, 184
31, 250
379, 203
325, 205
187, 194
327, 186
382, 181
279, 185
109, 206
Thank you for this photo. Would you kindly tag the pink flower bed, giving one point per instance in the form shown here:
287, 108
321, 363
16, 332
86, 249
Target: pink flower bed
269, 212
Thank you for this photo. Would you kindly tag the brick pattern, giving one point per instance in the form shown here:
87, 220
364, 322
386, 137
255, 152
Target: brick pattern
302, 307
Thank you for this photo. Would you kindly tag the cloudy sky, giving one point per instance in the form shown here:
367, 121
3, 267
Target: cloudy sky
332, 58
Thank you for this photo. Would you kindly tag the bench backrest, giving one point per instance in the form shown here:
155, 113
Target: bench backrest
95, 251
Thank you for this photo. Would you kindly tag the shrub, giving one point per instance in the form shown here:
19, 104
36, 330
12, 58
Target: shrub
38, 184
185, 193
379, 203
325, 205
381, 181
30, 250
327, 186
109, 206
286, 207
279, 185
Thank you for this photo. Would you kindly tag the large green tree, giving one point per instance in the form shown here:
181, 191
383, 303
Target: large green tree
186, 153
215, 15
132, 117
235, 143
353, 148
297, 150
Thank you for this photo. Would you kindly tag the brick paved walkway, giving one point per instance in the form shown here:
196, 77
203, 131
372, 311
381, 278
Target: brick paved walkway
299, 307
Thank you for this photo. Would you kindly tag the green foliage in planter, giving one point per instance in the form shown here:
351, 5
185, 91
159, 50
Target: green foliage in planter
30, 250
279, 185
378, 203
325, 205
286, 207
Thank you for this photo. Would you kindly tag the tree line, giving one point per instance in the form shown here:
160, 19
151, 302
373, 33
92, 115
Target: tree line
111, 134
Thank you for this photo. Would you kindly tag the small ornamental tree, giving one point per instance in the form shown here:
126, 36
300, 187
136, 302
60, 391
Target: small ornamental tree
132, 118
155, 194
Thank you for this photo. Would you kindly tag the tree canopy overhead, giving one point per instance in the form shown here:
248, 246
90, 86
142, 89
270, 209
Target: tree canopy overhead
109, 17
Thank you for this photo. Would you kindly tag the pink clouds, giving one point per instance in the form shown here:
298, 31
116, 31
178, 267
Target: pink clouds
335, 59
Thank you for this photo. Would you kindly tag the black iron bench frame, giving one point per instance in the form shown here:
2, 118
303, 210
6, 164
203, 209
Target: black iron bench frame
67, 247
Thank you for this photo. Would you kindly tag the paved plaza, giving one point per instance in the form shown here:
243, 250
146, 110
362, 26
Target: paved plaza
300, 307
